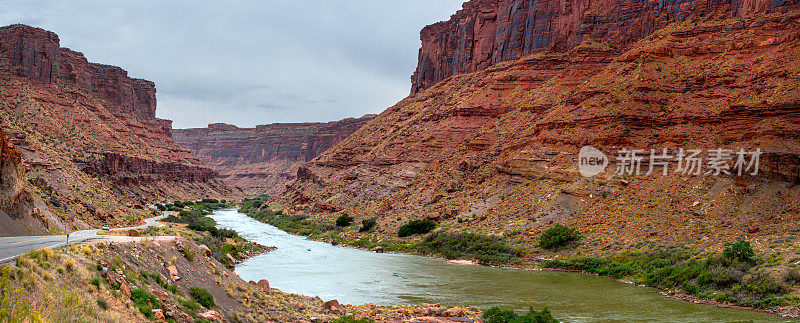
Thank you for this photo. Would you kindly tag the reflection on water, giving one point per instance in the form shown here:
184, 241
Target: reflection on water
355, 276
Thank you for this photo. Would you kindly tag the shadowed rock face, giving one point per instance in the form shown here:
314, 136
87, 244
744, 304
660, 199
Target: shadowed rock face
486, 32
264, 158
35, 54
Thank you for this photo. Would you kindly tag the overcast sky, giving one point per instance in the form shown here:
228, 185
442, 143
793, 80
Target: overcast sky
253, 61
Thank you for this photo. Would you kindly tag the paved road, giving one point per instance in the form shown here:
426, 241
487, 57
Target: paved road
10, 247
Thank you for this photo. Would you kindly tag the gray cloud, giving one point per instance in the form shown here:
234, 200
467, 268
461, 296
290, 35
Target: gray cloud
249, 62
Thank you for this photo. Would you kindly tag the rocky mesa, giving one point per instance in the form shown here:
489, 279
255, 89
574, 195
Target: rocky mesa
86, 137
263, 159
490, 144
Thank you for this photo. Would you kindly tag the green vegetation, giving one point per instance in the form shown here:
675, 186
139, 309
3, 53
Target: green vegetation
144, 301
344, 220
416, 227
496, 315
352, 319
202, 296
367, 225
485, 249
102, 303
558, 236
726, 278
194, 215
14, 305
741, 251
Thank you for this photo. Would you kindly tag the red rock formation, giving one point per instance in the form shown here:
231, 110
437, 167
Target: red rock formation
486, 32
89, 136
496, 149
264, 158
34, 53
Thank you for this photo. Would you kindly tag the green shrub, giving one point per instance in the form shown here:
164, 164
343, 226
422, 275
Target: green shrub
344, 220
202, 296
210, 201
352, 319
367, 225
161, 207
762, 284
740, 251
791, 276
416, 227
102, 303
95, 281
189, 253
485, 249
140, 299
496, 315
557, 237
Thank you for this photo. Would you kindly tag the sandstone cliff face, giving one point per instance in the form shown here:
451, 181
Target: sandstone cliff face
496, 149
263, 159
486, 32
88, 135
36, 54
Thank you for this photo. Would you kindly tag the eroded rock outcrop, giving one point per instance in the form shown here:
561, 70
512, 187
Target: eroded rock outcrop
264, 158
486, 32
35, 54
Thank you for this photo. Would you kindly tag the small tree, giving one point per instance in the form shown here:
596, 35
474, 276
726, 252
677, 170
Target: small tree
344, 220
416, 227
741, 251
557, 237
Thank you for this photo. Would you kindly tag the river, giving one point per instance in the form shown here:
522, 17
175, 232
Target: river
356, 276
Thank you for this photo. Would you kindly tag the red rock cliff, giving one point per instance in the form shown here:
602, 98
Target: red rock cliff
88, 136
263, 158
35, 54
486, 32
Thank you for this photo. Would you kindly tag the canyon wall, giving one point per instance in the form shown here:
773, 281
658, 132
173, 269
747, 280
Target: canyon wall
263, 159
486, 32
88, 137
495, 151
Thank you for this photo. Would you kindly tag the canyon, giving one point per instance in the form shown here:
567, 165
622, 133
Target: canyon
489, 144
263, 159
82, 143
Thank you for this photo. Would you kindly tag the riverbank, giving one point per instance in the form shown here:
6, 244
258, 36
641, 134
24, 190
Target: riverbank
398, 278
672, 285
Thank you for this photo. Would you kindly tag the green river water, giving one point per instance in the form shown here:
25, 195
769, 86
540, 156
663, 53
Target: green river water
356, 276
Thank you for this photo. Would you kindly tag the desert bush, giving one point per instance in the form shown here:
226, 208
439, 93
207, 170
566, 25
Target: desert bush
189, 253
367, 225
485, 249
344, 220
102, 303
14, 304
416, 227
791, 276
140, 299
496, 315
202, 296
352, 319
557, 237
741, 251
